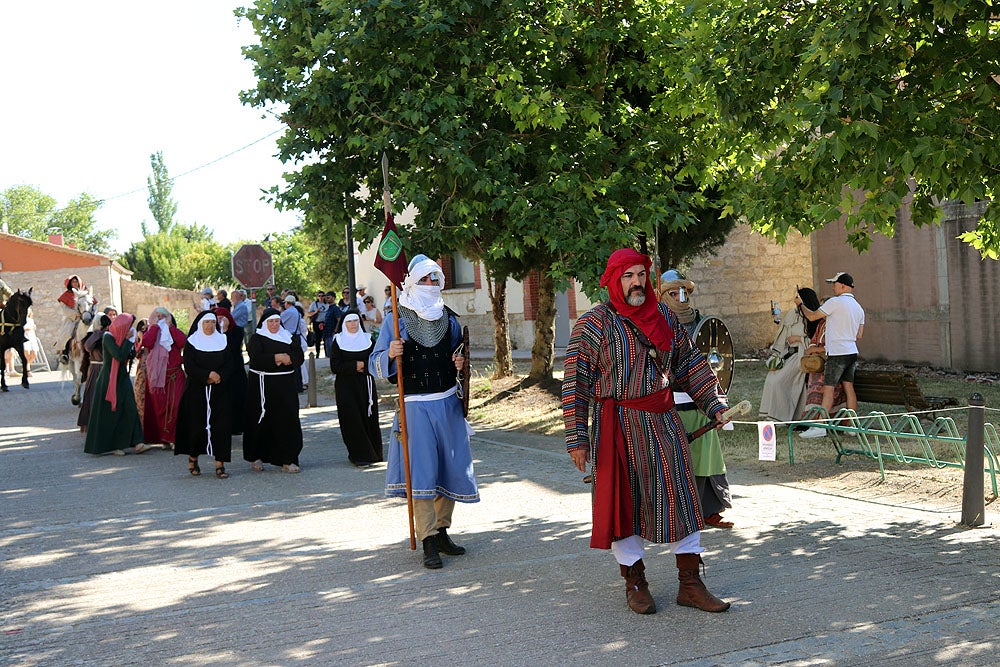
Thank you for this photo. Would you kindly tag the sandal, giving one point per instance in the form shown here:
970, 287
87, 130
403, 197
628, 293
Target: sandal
220, 472
193, 466
142, 447
257, 466
290, 467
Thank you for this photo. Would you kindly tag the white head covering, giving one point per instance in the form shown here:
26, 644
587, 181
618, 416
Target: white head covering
425, 300
353, 342
203, 342
164, 338
283, 335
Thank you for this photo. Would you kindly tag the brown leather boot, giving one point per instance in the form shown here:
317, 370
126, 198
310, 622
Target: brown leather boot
692, 592
637, 588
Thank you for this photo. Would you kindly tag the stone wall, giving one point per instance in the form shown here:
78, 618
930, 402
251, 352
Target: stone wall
46, 287
140, 298
739, 281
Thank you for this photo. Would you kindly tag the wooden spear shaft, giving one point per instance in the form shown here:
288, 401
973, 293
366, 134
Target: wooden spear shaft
403, 441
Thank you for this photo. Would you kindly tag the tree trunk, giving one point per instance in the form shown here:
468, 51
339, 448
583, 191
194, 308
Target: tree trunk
543, 351
501, 325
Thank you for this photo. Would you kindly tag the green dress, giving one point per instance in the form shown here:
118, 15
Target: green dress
706, 451
109, 430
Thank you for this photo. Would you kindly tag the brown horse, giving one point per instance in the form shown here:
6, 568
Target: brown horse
12, 318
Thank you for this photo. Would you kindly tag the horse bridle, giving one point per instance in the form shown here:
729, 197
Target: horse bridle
90, 311
20, 318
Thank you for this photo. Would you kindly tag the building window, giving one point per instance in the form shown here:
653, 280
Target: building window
463, 272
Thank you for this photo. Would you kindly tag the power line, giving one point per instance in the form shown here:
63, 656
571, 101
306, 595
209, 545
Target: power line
102, 201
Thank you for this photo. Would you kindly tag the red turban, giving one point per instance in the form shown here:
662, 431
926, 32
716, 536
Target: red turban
647, 317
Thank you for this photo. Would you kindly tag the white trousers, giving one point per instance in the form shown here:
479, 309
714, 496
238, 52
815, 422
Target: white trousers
629, 550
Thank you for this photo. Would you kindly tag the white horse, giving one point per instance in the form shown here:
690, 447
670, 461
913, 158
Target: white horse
76, 324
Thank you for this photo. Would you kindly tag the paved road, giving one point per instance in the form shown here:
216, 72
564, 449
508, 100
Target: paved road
129, 560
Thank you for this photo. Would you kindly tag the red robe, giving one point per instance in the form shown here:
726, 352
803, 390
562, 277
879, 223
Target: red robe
159, 419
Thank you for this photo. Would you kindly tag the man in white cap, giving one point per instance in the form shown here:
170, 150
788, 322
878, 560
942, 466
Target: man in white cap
440, 456
294, 322
207, 300
676, 293
845, 323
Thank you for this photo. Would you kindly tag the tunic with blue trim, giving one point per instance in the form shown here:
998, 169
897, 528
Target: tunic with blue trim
606, 358
437, 432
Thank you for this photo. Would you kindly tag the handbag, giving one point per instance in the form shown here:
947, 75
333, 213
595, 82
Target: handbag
774, 363
310, 338
813, 363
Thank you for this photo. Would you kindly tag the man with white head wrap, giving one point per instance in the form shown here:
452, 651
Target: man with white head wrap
706, 452
440, 456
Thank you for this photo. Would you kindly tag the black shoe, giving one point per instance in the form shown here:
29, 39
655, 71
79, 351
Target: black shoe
432, 560
446, 546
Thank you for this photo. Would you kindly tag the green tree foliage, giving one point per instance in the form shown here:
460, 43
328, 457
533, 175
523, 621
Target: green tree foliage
33, 214
161, 187
182, 258
529, 136
834, 107
297, 259
176, 255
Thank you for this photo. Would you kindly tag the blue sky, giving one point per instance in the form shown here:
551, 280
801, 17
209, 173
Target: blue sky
90, 90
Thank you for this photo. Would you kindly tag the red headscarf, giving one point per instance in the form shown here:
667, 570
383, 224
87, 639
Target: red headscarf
69, 297
647, 317
119, 331
221, 313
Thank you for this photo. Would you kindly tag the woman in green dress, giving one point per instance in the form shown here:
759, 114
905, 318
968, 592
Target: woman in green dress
114, 418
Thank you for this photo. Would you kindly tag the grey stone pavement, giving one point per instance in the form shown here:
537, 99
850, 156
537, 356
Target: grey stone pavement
129, 560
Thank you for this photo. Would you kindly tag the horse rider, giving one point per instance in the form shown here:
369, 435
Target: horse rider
67, 302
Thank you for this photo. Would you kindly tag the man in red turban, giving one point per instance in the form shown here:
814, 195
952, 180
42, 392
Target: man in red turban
625, 354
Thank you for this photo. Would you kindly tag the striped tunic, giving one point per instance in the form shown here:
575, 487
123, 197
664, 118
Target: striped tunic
606, 359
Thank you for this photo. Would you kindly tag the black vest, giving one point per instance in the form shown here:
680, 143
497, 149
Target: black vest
428, 370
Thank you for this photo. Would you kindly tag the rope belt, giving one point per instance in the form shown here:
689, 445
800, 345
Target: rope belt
260, 376
208, 419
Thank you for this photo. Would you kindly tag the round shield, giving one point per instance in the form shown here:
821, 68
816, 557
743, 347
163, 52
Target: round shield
711, 336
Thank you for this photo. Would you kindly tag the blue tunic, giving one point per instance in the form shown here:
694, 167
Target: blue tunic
437, 433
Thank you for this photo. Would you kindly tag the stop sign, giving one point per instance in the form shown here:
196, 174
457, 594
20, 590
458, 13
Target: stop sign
252, 266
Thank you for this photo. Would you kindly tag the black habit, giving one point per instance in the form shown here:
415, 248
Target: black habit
357, 405
272, 432
204, 416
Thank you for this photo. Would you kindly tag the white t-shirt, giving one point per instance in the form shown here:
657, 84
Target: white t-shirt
844, 316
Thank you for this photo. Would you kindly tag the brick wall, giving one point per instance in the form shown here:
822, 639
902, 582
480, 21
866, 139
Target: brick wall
928, 297
529, 289
973, 298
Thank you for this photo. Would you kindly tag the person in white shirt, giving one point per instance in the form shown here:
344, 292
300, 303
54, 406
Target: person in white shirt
207, 300
845, 324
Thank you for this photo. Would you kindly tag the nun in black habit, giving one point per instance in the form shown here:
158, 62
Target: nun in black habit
272, 432
238, 387
204, 420
357, 399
